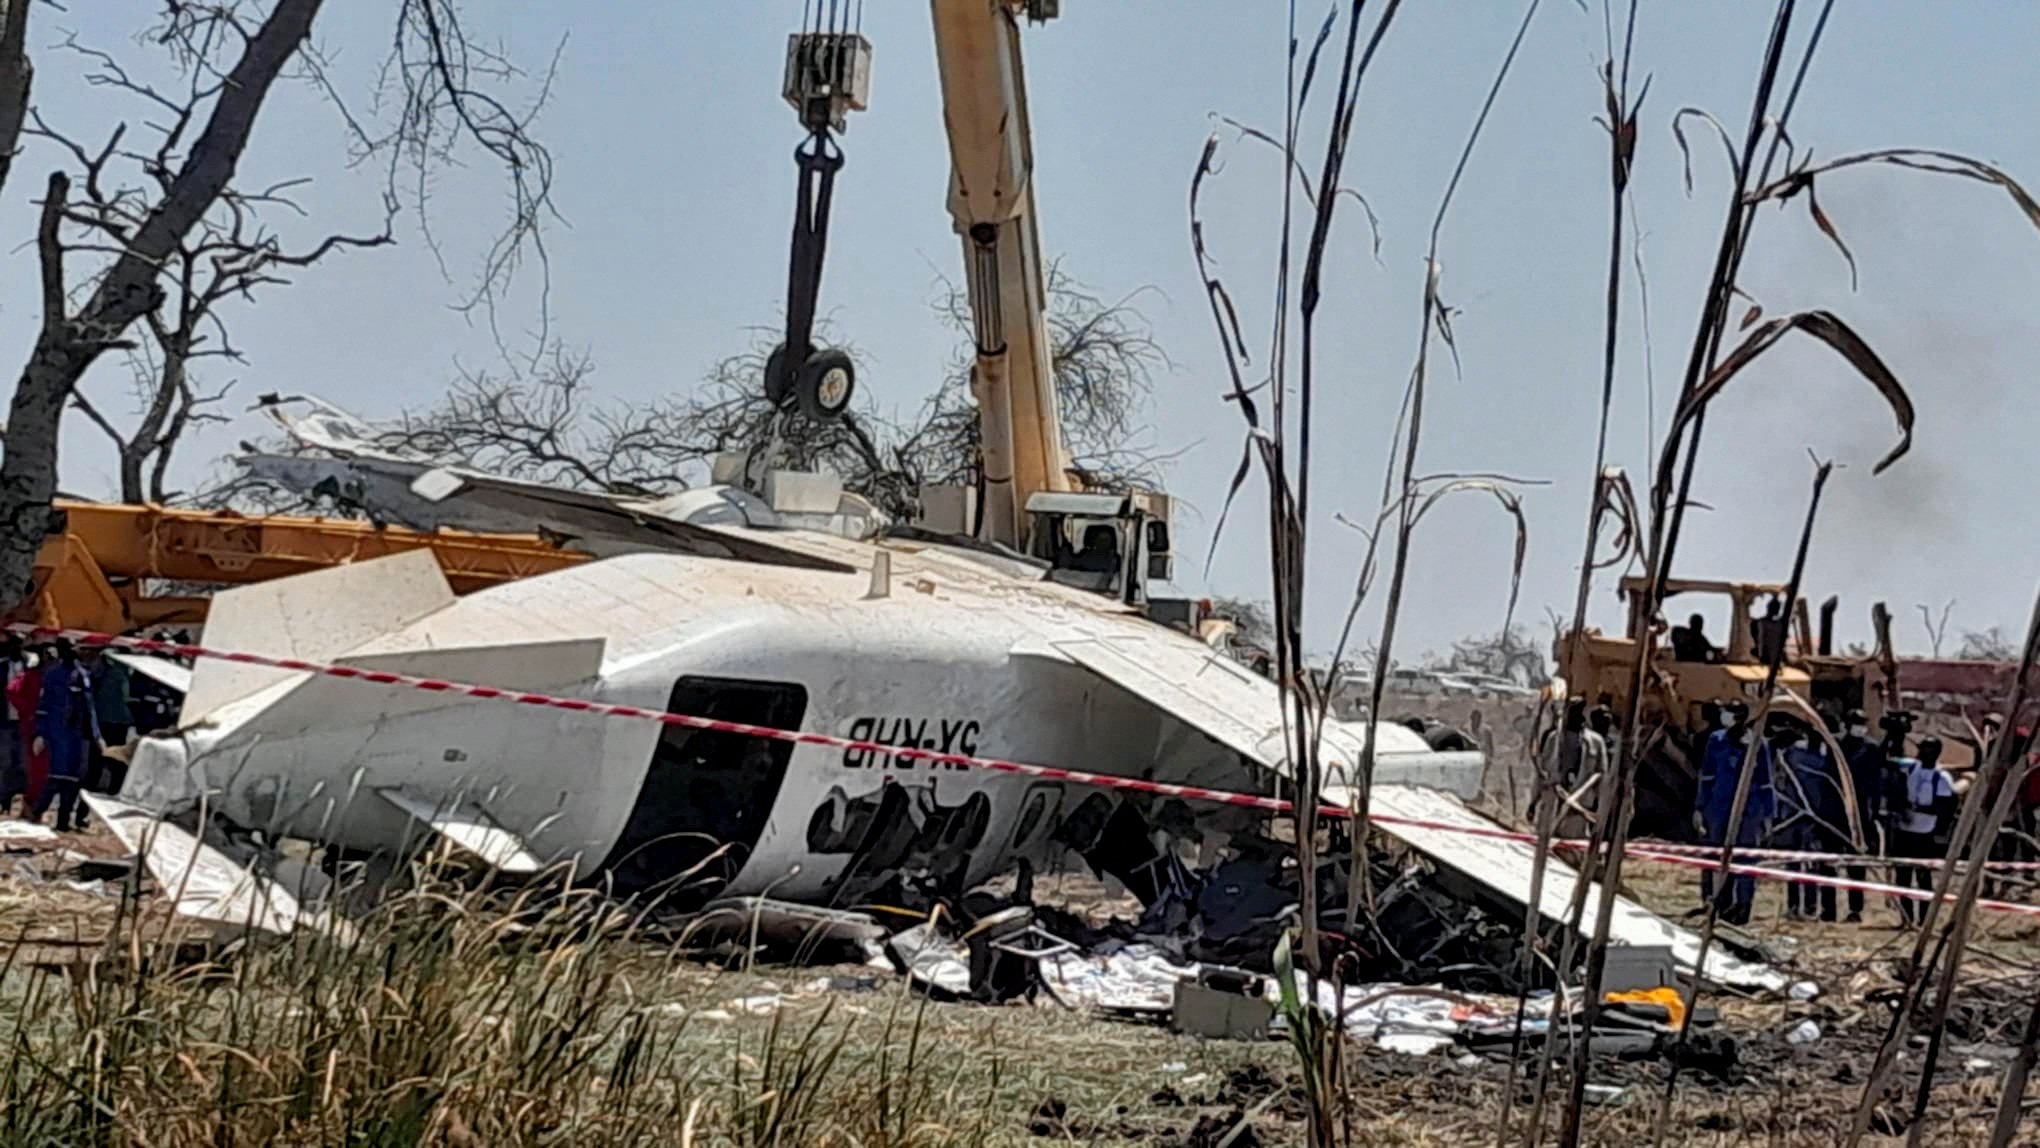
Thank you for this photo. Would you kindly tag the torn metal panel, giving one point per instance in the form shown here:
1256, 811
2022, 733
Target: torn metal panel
420, 495
1503, 867
201, 882
315, 616
469, 827
163, 670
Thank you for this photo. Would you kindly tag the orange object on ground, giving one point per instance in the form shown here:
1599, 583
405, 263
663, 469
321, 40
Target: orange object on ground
1667, 997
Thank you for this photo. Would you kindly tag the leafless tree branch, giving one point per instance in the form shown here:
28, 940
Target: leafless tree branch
544, 423
182, 238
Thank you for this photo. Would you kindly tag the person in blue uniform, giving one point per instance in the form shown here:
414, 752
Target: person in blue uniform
67, 727
1810, 819
1720, 775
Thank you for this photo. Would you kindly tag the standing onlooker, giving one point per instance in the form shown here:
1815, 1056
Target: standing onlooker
1720, 776
1809, 807
24, 697
67, 726
1601, 719
1864, 759
13, 754
1768, 633
111, 685
1571, 755
1929, 809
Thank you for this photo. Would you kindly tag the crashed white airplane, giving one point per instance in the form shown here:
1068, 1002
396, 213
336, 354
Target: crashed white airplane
901, 642
945, 652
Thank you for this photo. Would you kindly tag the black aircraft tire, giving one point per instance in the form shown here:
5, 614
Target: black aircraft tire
827, 382
778, 388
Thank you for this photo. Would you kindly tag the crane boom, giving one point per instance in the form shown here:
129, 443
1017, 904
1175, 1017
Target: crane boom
991, 200
89, 573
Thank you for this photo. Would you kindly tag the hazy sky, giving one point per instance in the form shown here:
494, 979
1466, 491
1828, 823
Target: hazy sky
676, 179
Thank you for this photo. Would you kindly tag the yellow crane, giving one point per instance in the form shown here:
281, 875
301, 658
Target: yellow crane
93, 566
1029, 498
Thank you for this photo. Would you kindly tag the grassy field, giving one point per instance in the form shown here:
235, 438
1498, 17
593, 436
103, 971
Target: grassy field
448, 1019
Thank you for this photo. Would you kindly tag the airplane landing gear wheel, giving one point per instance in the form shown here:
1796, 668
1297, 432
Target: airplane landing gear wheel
778, 384
825, 384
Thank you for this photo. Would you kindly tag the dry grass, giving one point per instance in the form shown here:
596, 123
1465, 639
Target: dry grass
457, 1018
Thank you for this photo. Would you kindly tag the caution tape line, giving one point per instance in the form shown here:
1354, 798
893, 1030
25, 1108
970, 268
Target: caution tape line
1666, 852
1646, 853
1813, 856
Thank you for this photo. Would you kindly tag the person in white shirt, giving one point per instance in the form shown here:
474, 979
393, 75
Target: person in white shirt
1929, 810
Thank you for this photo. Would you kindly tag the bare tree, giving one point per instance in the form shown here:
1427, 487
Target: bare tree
1511, 654
168, 404
229, 253
1104, 356
546, 424
1987, 646
1937, 630
172, 245
16, 76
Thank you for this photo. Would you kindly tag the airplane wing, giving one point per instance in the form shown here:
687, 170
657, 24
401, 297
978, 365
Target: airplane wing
427, 497
1243, 712
1503, 868
469, 827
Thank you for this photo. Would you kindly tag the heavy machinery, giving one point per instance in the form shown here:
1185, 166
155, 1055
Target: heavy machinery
1598, 665
1028, 499
1600, 668
1948, 698
92, 569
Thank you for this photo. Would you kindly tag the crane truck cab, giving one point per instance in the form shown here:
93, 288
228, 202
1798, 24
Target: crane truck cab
1113, 544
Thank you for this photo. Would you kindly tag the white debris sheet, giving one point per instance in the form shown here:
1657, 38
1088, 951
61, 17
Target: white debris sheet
24, 832
1504, 866
1399, 1018
1137, 977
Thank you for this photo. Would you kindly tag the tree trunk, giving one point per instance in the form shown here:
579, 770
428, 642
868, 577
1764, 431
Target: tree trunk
16, 73
68, 346
28, 476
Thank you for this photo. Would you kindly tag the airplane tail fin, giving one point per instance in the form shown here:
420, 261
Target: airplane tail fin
317, 617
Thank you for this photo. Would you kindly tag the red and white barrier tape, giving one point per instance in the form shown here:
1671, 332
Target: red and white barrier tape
1690, 856
1646, 853
1810, 856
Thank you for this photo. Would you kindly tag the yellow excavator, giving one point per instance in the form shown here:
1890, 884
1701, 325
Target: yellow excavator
98, 559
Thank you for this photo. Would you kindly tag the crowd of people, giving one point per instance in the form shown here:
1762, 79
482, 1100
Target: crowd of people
69, 714
1851, 794
1870, 799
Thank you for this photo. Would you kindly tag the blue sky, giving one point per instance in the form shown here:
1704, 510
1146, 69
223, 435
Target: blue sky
675, 181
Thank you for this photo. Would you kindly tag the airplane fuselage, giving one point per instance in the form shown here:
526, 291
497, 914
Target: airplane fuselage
929, 663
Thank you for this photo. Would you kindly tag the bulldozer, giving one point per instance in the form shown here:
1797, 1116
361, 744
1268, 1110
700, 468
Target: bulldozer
1812, 679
